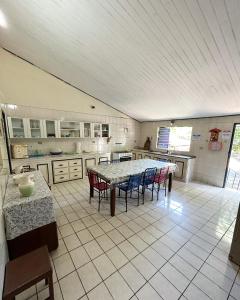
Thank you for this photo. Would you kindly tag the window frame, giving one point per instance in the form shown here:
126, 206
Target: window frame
169, 148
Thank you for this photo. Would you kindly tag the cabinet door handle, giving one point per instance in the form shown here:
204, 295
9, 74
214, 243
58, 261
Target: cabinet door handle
60, 171
75, 169
61, 177
75, 163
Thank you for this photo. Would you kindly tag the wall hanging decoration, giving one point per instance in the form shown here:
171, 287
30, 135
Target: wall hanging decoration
214, 144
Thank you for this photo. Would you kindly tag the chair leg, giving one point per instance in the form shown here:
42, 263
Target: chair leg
143, 193
126, 200
99, 200
51, 290
158, 190
119, 192
138, 195
152, 190
165, 187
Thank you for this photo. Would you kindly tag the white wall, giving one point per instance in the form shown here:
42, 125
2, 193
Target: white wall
24, 84
41, 95
210, 165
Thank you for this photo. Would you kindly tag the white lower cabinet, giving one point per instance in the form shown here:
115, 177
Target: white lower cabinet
65, 170
55, 171
61, 178
89, 162
43, 168
185, 164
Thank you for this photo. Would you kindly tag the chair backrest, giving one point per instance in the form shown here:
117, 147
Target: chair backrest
92, 177
162, 176
149, 176
134, 181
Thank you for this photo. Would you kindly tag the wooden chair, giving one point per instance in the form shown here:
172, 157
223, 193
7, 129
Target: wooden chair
27, 270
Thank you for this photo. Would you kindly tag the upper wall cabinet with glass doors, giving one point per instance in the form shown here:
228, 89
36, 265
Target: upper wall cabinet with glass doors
86, 130
105, 130
51, 129
18, 127
69, 129
34, 128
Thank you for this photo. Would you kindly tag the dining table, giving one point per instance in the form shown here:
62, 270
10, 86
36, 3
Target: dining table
116, 173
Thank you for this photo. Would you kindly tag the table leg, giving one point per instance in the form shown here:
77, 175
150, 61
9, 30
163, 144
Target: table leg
113, 200
169, 182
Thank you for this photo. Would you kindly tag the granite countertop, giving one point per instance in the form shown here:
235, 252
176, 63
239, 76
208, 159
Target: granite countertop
60, 157
165, 154
23, 214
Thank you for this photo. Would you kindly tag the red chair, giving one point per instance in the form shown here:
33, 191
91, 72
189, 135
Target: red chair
98, 185
161, 178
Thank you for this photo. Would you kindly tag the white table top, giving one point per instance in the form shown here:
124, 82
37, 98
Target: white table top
118, 172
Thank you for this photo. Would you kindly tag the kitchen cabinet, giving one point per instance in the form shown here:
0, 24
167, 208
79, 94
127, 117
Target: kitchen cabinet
185, 164
180, 169
35, 128
51, 129
105, 130
91, 161
64, 170
86, 131
17, 127
43, 168
70, 129
97, 130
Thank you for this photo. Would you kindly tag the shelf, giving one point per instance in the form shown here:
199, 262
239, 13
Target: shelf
70, 129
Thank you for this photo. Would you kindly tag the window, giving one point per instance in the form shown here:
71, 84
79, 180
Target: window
174, 138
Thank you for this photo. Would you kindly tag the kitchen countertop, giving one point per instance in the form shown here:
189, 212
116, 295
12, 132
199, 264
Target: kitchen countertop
61, 157
165, 154
23, 214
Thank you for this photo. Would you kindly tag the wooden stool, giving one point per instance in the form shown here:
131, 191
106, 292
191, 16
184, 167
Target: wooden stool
27, 270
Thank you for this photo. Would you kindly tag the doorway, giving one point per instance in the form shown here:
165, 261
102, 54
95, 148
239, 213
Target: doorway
232, 175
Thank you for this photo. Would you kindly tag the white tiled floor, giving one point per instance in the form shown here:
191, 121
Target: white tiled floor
176, 248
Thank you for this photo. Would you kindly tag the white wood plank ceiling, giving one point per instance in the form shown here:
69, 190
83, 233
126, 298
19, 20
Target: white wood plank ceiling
152, 59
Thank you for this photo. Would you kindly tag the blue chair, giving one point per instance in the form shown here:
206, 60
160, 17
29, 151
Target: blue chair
133, 184
148, 180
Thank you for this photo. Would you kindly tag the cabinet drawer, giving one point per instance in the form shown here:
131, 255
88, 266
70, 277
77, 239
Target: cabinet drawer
60, 178
60, 171
60, 164
75, 169
74, 162
75, 175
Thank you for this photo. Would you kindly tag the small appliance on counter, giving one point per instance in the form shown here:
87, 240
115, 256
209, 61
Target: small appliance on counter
19, 151
122, 155
78, 148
